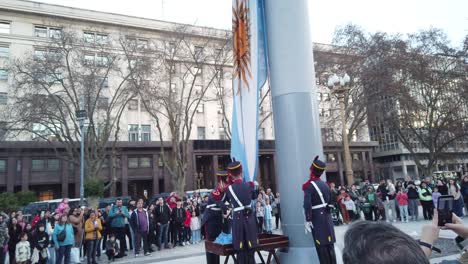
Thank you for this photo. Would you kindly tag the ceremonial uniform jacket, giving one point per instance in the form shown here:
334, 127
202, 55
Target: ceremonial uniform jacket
244, 226
317, 211
212, 217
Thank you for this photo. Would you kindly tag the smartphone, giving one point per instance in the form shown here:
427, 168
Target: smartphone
445, 209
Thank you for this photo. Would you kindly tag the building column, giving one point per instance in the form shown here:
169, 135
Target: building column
155, 174
25, 171
405, 170
340, 169
364, 165
215, 169
64, 170
372, 169
416, 171
11, 175
124, 175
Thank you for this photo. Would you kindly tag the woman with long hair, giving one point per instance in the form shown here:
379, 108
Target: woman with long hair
454, 189
63, 239
442, 187
14, 231
93, 228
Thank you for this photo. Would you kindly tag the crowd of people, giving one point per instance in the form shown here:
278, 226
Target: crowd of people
397, 201
84, 234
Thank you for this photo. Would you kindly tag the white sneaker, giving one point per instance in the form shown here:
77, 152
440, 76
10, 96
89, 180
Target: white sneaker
406, 221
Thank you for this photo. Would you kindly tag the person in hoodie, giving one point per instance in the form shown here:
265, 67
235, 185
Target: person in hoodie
40, 242
187, 231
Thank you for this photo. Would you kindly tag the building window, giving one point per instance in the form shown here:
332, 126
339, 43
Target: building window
132, 163
201, 108
133, 133
44, 32
142, 44
201, 132
145, 162
356, 156
4, 51
38, 165
331, 157
101, 38
53, 164
171, 48
3, 98
102, 60
3, 74
88, 59
197, 71
222, 133
146, 133
103, 82
4, 27
103, 102
198, 51
95, 38
46, 195
261, 133
133, 104
141, 162
55, 33
3, 165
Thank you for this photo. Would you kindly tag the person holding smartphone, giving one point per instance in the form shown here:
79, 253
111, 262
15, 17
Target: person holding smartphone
117, 215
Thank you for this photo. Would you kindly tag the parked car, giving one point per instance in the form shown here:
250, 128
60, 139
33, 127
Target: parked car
36, 207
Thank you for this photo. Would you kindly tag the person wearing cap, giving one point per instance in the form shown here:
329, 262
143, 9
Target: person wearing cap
244, 226
318, 219
213, 215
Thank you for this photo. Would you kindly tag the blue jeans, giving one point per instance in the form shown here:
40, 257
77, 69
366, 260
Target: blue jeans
196, 236
164, 229
63, 252
403, 212
51, 258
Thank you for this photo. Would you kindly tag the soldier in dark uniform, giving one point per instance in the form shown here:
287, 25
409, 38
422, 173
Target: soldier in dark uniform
212, 218
316, 208
244, 226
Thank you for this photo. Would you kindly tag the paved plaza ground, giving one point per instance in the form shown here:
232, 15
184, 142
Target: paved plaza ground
196, 253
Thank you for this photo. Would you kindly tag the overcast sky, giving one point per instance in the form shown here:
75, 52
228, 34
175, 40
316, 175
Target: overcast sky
402, 16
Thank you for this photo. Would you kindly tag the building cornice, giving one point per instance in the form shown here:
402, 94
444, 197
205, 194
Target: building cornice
51, 10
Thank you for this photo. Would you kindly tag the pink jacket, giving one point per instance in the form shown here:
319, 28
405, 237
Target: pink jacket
402, 198
60, 208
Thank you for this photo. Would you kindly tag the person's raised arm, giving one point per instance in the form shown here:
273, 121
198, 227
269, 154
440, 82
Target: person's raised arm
429, 234
457, 226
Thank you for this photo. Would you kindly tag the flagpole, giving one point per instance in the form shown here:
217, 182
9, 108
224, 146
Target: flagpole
296, 116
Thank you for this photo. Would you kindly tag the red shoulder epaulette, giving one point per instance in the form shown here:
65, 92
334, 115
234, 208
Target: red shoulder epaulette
216, 194
305, 185
252, 184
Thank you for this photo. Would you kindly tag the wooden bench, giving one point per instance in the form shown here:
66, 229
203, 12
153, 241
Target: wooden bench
268, 243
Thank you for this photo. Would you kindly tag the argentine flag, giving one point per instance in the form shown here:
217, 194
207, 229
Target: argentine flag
249, 76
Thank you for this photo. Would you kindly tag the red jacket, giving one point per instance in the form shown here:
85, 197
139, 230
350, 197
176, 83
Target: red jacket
188, 218
402, 198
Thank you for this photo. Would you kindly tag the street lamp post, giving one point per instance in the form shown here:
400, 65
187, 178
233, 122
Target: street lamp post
81, 117
339, 86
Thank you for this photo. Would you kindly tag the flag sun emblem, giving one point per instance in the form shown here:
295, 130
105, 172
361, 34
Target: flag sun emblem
240, 28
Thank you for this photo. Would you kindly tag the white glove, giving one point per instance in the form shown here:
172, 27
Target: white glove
308, 227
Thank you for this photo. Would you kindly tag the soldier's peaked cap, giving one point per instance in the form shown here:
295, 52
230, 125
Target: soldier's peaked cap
235, 167
222, 173
317, 167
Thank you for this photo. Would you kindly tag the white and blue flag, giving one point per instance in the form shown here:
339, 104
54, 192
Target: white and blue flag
250, 75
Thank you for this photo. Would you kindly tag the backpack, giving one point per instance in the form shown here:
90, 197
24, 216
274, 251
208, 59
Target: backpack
62, 235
